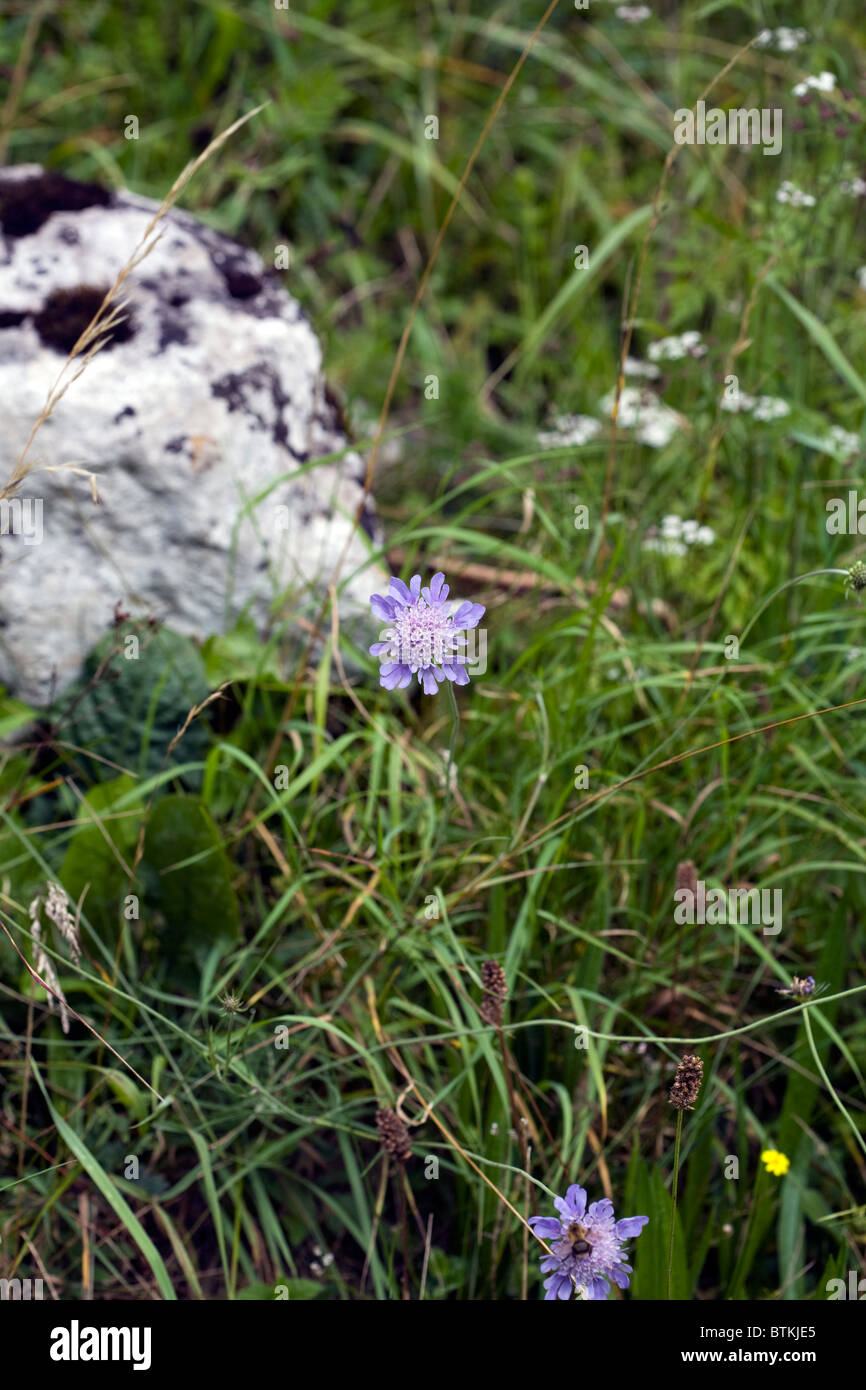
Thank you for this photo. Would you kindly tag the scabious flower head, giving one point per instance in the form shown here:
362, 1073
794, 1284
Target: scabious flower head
857, 576
424, 637
586, 1245
801, 988
775, 1162
231, 1004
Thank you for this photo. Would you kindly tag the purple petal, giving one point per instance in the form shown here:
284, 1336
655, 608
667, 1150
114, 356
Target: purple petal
469, 614
620, 1277
603, 1210
460, 675
428, 680
379, 647
400, 592
437, 591
382, 607
415, 586
393, 675
548, 1262
598, 1289
576, 1199
630, 1226
558, 1286
547, 1227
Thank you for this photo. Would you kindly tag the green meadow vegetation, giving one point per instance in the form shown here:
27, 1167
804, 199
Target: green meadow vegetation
287, 912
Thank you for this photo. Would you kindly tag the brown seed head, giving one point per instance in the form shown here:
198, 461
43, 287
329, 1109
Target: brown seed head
687, 877
393, 1135
495, 987
687, 1083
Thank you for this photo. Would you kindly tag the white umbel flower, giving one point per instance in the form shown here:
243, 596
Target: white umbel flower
641, 409
680, 345
784, 40
570, 429
788, 192
824, 82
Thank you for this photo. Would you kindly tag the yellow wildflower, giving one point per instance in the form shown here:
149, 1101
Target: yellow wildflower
775, 1162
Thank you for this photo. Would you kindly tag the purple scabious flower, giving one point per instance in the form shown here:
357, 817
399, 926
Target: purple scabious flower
585, 1245
424, 637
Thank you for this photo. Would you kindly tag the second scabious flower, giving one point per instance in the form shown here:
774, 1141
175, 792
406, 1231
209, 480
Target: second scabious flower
586, 1246
424, 637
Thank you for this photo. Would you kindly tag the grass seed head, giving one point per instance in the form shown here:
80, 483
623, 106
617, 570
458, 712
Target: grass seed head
495, 987
687, 1083
393, 1135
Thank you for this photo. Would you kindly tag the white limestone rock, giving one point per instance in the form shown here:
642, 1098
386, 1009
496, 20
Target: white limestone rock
200, 420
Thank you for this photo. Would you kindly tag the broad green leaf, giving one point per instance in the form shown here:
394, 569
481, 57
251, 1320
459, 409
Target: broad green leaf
189, 876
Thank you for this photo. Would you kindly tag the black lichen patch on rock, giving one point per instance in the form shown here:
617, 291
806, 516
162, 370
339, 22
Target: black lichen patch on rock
239, 390
25, 204
66, 313
240, 283
241, 279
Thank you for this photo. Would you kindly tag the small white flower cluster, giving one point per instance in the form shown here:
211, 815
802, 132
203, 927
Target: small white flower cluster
841, 443
680, 345
633, 14
785, 40
570, 429
641, 409
321, 1262
824, 82
855, 188
634, 367
789, 193
677, 535
771, 408
616, 673
763, 407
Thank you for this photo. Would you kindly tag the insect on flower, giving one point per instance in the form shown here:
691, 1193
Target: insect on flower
586, 1247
